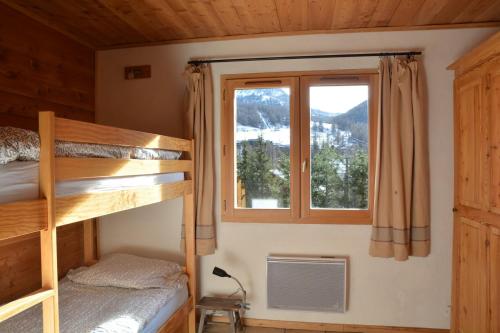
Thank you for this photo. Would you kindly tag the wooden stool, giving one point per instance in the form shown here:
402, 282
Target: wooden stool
229, 305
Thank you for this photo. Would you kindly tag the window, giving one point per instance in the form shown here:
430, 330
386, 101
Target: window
298, 148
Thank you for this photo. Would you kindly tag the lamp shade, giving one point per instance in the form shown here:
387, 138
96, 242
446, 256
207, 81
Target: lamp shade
220, 272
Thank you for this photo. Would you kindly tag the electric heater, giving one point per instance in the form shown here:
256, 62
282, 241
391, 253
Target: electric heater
314, 283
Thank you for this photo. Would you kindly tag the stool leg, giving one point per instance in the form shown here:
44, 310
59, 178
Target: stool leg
239, 322
232, 320
201, 325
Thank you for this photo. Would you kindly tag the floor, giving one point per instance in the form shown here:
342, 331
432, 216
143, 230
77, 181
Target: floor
224, 328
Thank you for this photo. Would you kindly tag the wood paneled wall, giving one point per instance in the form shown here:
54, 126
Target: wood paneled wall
40, 69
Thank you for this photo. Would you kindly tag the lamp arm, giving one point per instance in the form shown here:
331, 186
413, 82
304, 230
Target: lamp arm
242, 289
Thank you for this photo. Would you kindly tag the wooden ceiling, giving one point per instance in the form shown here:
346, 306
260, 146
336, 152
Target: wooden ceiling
115, 23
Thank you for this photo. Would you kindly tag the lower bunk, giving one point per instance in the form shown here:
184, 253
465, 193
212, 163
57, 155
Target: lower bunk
122, 293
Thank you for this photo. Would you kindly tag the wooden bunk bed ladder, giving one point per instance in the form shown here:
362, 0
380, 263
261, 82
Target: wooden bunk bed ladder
39, 217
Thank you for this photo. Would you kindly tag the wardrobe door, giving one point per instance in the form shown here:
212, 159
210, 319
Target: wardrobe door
494, 259
472, 278
493, 99
471, 148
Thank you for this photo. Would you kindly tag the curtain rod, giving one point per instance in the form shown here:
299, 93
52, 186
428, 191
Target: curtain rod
318, 56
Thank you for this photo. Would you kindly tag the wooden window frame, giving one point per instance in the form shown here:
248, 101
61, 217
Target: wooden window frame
299, 211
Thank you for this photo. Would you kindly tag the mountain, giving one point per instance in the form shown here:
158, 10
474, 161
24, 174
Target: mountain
322, 116
358, 114
263, 108
267, 108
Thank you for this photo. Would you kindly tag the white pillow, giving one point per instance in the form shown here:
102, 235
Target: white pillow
129, 271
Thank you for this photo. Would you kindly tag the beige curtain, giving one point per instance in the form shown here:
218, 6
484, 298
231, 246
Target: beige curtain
401, 217
200, 126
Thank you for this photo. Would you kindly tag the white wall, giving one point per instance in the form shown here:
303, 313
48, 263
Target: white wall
383, 292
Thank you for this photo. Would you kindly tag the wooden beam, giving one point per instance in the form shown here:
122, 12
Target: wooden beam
91, 205
19, 305
21, 218
78, 168
89, 255
48, 237
83, 132
190, 241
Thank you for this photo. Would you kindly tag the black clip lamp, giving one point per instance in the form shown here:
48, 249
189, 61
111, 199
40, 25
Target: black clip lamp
222, 273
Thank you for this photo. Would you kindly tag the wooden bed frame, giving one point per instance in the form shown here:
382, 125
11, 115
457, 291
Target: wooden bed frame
44, 215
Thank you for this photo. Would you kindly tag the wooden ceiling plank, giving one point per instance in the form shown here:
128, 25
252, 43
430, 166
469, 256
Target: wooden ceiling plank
169, 20
81, 20
134, 14
207, 13
474, 9
265, 11
114, 23
250, 23
428, 10
229, 17
343, 12
292, 14
492, 13
383, 13
186, 12
362, 15
259, 16
106, 23
320, 14
450, 10
405, 13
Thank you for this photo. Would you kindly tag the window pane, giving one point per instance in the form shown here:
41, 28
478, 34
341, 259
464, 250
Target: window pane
262, 138
339, 146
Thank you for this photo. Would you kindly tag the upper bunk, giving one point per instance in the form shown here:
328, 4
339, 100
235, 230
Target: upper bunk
81, 188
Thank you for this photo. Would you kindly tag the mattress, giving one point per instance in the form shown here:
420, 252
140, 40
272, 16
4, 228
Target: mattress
19, 181
167, 311
103, 310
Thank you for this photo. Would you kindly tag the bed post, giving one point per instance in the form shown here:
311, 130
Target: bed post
89, 240
48, 236
190, 241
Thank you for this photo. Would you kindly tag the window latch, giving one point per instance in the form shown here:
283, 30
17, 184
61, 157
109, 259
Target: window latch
304, 165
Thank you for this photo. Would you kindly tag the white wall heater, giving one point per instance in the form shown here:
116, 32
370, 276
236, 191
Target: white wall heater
313, 283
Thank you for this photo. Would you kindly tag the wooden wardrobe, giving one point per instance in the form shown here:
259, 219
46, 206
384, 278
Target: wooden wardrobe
476, 245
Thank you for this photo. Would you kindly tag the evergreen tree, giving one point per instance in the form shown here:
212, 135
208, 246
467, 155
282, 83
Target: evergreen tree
326, 184
255, 171
358, 180
282, 187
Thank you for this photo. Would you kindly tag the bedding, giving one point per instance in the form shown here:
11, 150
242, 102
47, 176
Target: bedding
19, 181
18, 144
92, 307
129, 271
84, 308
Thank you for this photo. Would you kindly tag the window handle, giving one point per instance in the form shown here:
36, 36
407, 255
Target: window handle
304, 165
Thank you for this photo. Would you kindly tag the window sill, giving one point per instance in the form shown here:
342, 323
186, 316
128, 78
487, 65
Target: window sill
364, 220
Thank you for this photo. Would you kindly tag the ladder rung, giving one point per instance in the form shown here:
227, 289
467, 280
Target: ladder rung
19, 305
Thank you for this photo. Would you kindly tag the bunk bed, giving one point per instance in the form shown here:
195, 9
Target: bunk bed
55, 207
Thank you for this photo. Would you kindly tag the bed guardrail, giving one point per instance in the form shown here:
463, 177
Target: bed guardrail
85, 206
21, 218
